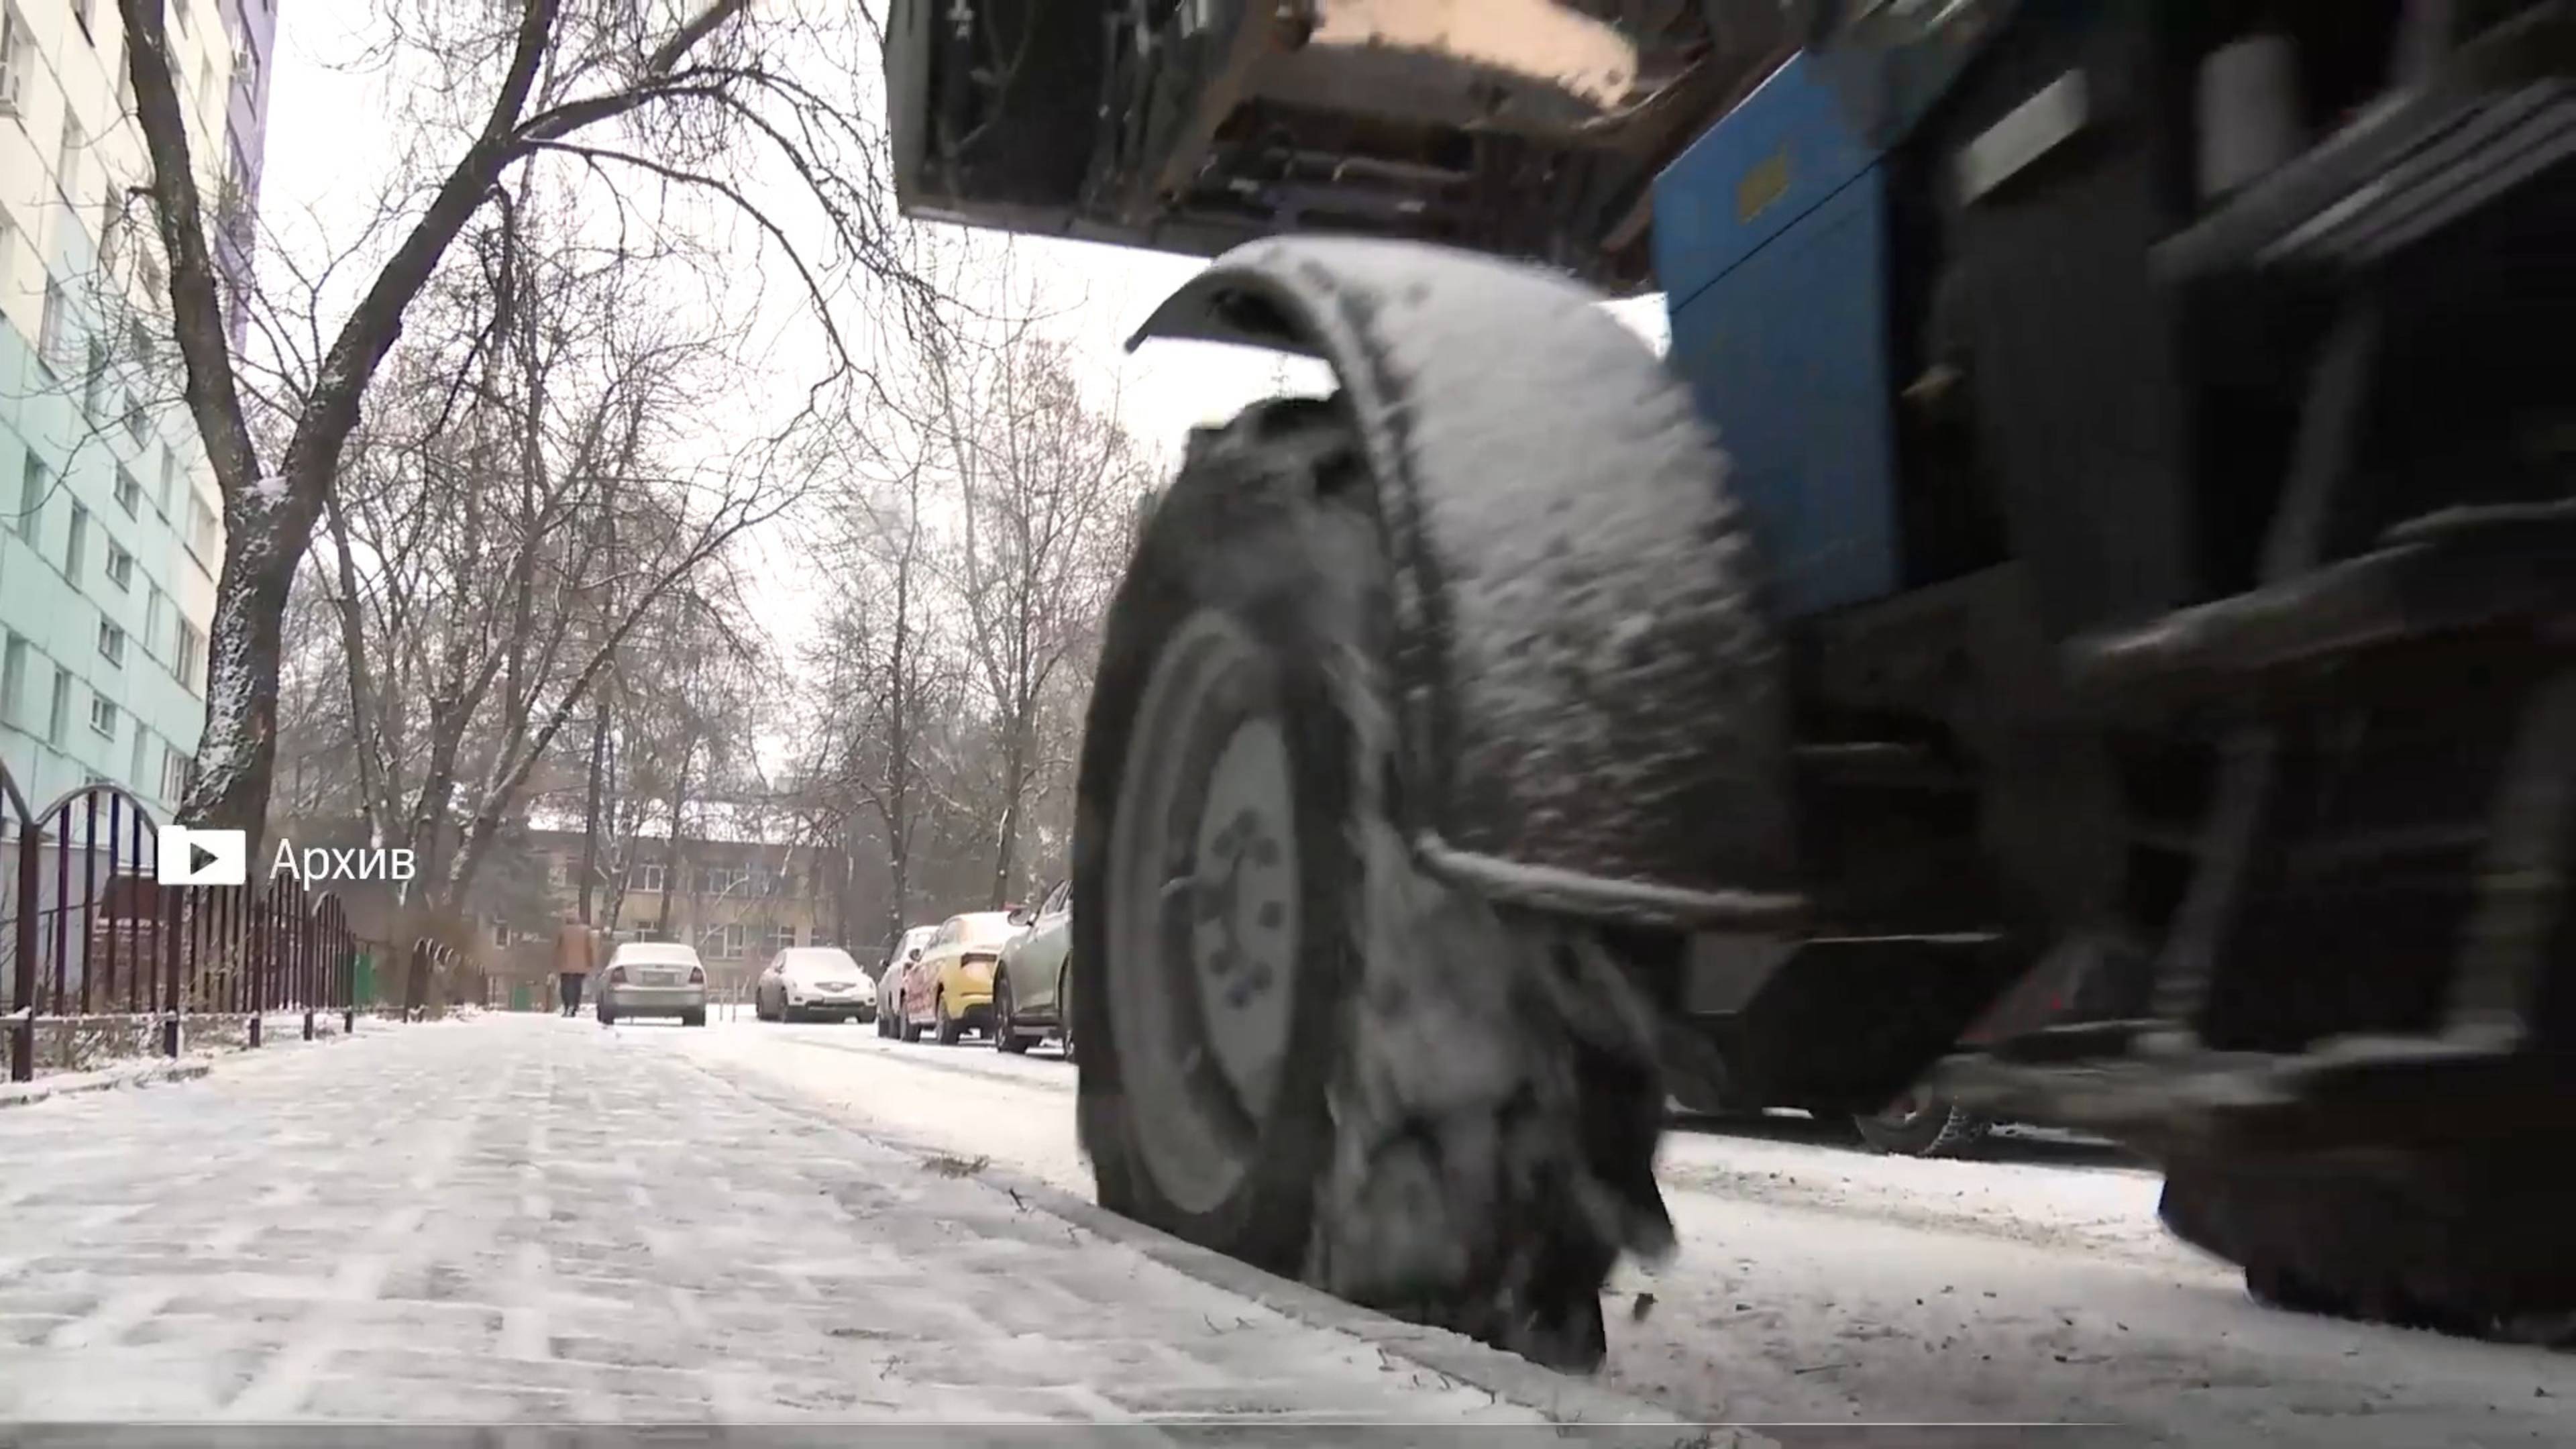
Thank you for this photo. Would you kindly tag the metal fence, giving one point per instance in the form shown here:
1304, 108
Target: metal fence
90, 941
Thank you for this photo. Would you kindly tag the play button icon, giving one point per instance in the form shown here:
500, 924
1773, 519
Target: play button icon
203, 857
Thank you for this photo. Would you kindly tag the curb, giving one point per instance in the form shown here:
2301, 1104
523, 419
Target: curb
27, 1094
155, 1073
1562, 1398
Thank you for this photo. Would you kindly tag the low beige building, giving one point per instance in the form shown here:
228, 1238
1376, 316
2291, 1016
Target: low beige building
738, 901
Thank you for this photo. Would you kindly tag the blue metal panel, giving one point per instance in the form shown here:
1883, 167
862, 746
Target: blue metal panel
1787, 356
1784, 152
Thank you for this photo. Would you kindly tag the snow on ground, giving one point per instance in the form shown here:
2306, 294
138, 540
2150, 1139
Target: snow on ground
1819, 1283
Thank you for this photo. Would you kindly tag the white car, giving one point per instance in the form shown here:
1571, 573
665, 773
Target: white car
814, 983
890, 977
654, 978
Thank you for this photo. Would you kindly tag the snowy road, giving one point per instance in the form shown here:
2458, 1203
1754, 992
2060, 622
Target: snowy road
1818, 1283
530, 1220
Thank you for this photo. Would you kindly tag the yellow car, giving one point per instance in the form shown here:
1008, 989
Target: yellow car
950, 990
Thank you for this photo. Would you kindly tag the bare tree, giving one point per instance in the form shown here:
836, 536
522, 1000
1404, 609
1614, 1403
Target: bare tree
689, 101
1045, 484
505, 524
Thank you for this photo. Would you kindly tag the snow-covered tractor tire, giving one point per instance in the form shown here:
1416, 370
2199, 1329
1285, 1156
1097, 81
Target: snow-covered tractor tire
1298, 1049
1929, 1127
2471, 1242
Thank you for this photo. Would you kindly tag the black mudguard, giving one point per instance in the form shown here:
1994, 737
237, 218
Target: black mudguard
1593, 701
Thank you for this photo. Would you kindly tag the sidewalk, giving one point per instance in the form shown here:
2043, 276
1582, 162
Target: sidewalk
532, 1220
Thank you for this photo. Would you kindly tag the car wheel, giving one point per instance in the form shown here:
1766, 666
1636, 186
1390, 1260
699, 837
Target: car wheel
606, 1016
1249, 1074
1064, 1009
948, 1027
1916, 1125
1006, 1038
694, 1018
909, 1030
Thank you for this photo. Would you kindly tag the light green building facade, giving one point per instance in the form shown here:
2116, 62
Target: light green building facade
110, 529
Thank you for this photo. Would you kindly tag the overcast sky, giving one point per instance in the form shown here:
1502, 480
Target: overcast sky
330, 128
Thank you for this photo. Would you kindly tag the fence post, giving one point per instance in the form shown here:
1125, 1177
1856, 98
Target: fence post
255, 962
22, 1029
170, 1001
305, 943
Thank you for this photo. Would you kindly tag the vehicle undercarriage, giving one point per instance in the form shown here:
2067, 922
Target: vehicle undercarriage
2136, 562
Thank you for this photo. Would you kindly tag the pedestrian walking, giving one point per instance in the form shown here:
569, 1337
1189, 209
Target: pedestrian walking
576, 953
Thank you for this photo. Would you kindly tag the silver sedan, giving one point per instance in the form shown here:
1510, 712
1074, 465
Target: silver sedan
654, 978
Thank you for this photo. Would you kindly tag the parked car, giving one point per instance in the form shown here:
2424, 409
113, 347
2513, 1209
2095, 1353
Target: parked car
1030, 983
814, 982
892, 974
654, 978
949, 991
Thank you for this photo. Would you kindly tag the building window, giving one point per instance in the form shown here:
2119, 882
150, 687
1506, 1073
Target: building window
201, 531
111, 235
120, 566
34, 485
649, 878
174, 776
138, 423
67, 160
169, 481
501, 934
152, 601
782, 938
76, 545
192, 655
94, 379
102, 714
13, 683
111, 643
142, 752
17, 55
727, 942
58, 720
129, 494
53, 328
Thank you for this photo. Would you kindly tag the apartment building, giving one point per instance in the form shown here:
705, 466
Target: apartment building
737, 897
111, 528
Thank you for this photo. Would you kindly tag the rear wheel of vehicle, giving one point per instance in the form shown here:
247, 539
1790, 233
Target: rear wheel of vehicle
1917, 1125
949, 1028
907, 1029
1265, 960
606, 1016
1064, 1009
2472, 1241
1006, 1037
885, 1023
694, 1018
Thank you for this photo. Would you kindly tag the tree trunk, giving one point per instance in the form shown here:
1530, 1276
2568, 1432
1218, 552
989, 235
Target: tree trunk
590, 810
1015, 764
675, 870
237, 757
